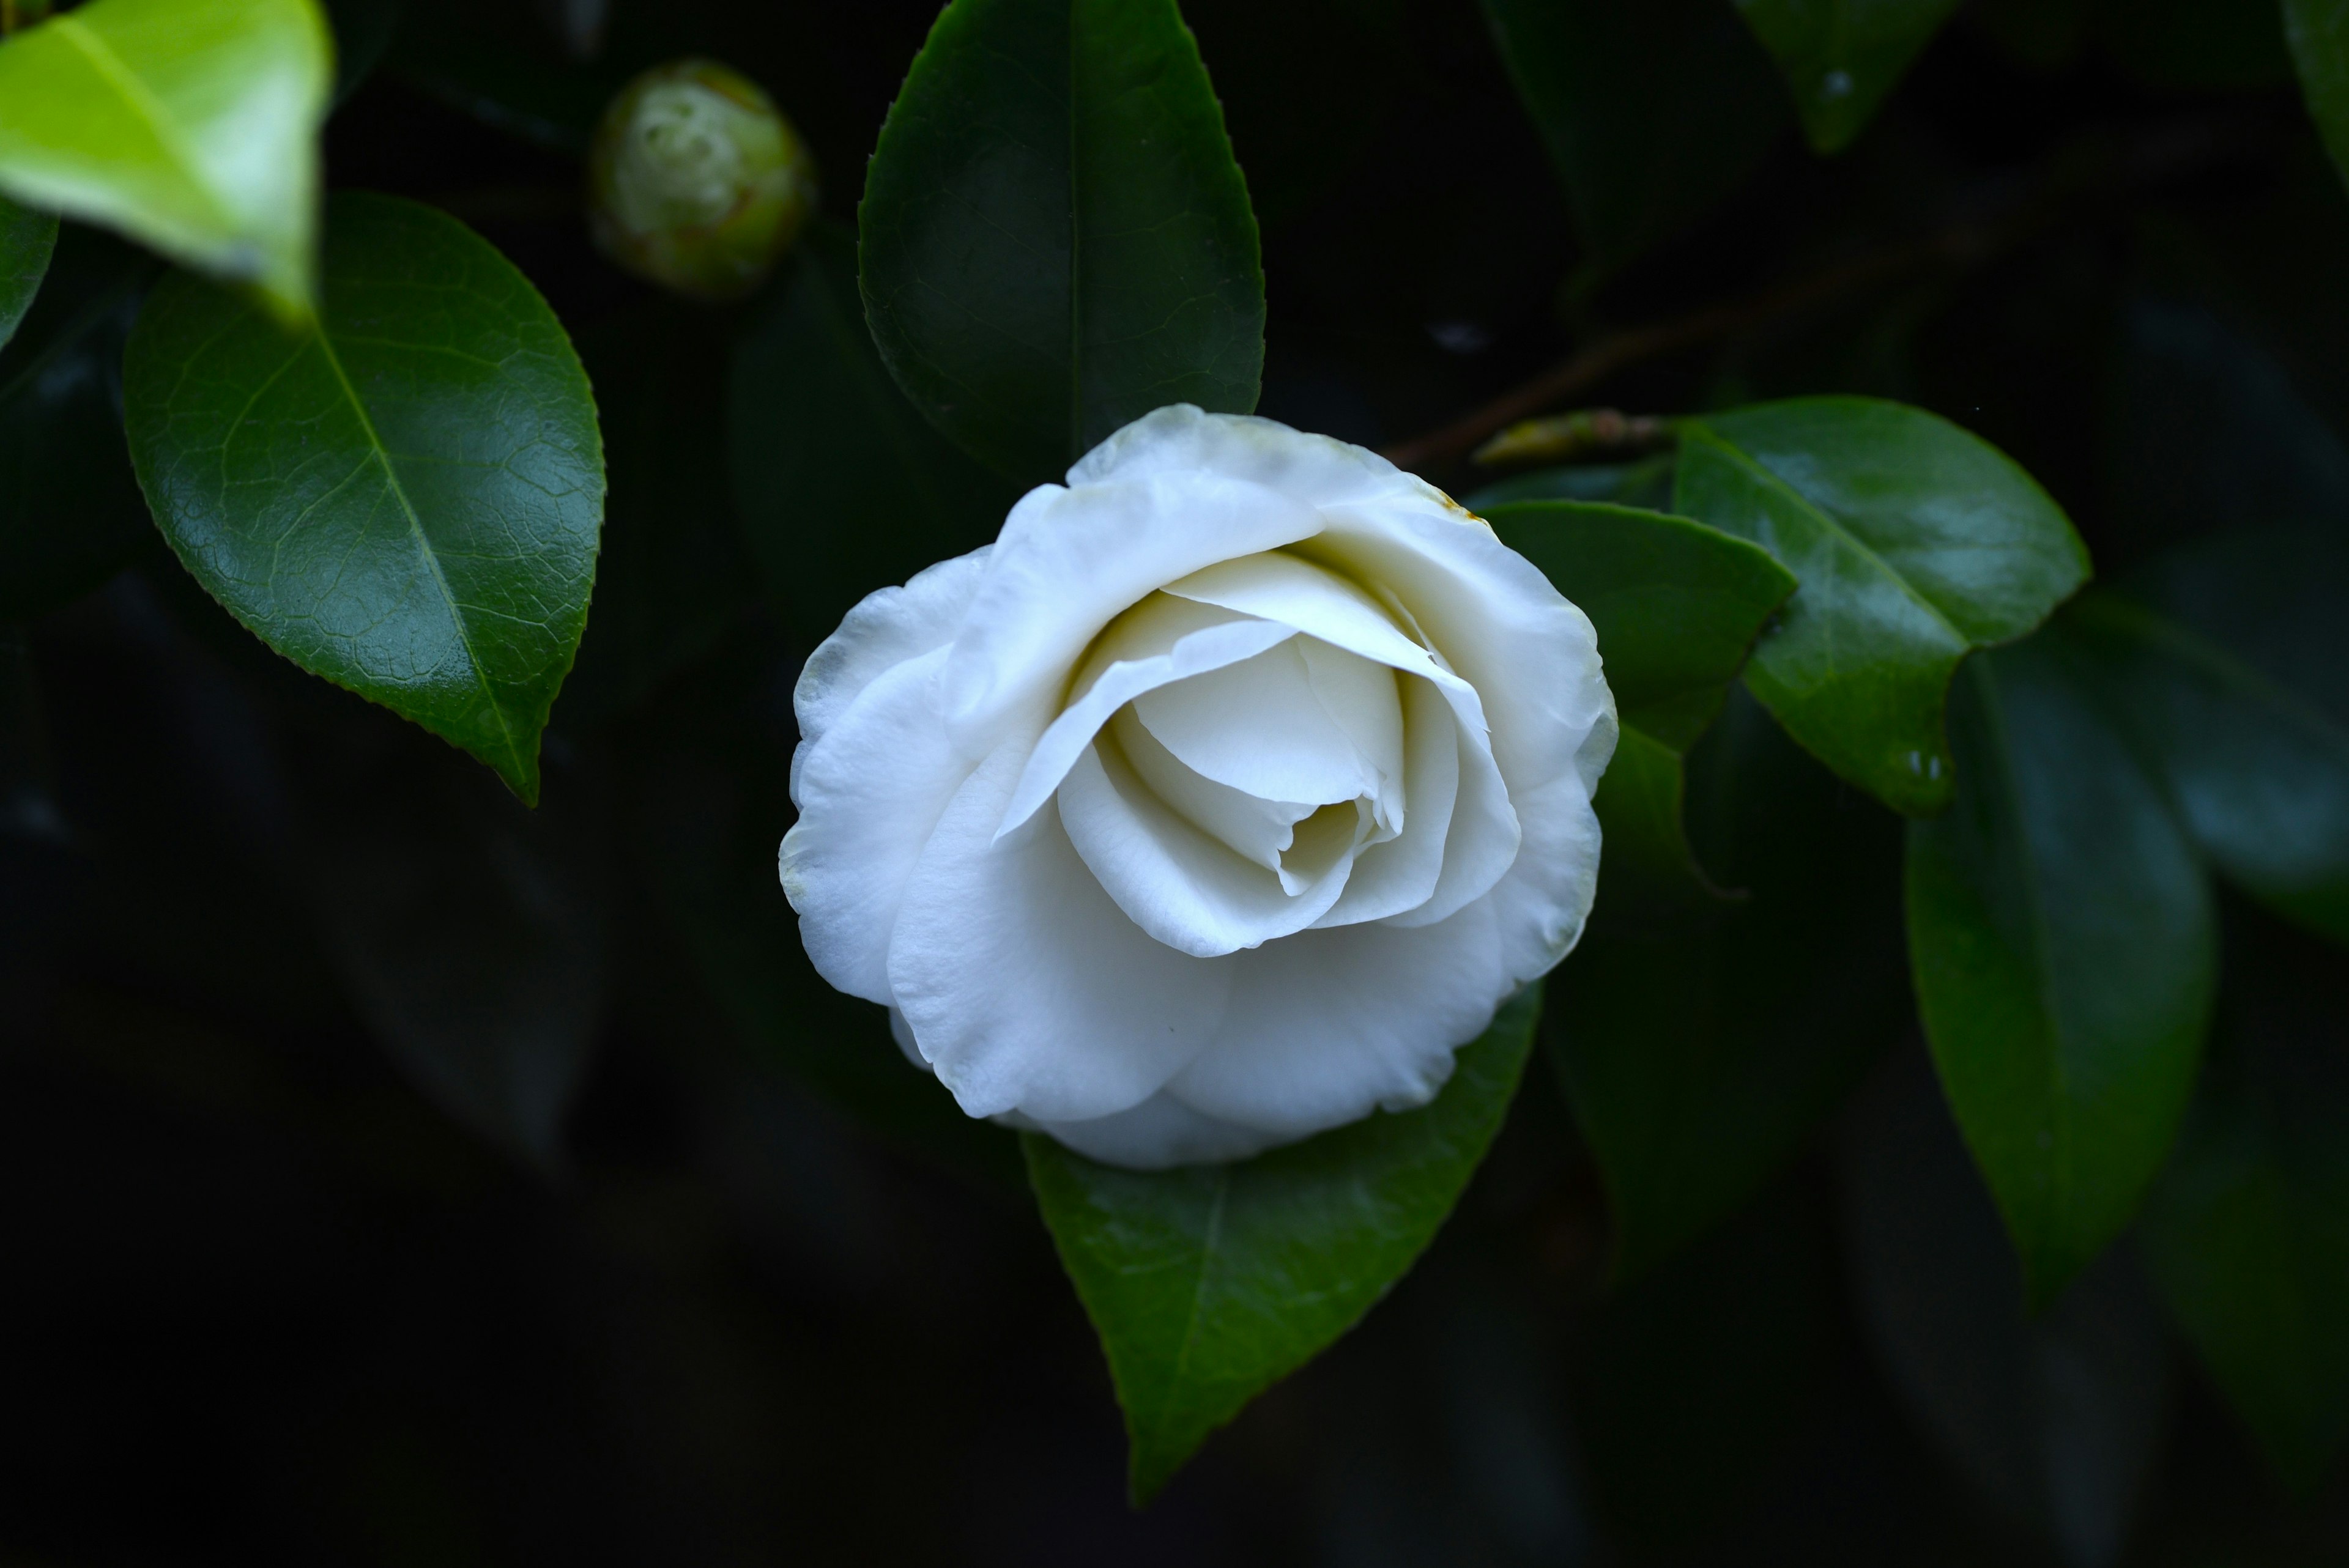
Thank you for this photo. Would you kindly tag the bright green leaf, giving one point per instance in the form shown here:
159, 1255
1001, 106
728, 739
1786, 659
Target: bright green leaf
1055, 237
1914, 542
70, 516
1842, 57
2054, 1418
2247, 1232
189, 125
2252, 746
1210, 1283
27, 238
1676, 605
1698, 1054
2064, 948
1652, 112
405, 501
2318, 32
845, 488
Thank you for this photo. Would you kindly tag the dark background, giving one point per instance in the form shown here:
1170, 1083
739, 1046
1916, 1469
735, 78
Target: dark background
396, 1177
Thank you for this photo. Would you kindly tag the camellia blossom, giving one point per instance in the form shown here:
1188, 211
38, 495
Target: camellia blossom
1217, 803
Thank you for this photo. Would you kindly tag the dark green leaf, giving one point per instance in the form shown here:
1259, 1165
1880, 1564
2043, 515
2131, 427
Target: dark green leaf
1210, 1283
2248, 1230
1841, 57
1647, 483
2044, 33
1698, 1055
1676, 605
405, 501
1914, 542
469, 932
2055, 1419
2197, 44
672, 571
2252, 747
1055, 237
2065, 947
2318, 33
27, 238
189, 125
845, 488
1652, 112
70, 516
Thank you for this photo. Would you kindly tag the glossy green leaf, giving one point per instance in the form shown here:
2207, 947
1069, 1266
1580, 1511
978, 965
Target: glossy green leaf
1055, 237
189, 125
2240, 696
2318, 33
70, 515
1644, 482
405, 501
1208, 1284
2248, 1231
2054, 1418
1652, 112
1914, 542
1699, 1053
1842, 57
27, 238
844, 487
1676, 605
2064, 948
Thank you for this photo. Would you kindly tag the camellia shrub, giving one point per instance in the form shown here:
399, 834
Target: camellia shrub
1203, 616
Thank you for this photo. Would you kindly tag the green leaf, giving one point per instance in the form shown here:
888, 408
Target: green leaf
1055, 237
70, 516
2252, 745
2054, 1418
2318, 33
2248, 1231
845, 488
1676, 605
1841, 57
405, 501
189, 125
2064, 948
1914, 542
1645, 483
1699, 1054
1210, 1283
27, 238
2197, 44
1652, 112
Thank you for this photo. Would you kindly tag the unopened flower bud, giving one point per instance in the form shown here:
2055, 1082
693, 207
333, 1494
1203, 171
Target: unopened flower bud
700, 182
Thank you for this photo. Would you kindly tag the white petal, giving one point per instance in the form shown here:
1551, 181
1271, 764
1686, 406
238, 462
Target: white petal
1258, 726
1258, 830
1025, 987
1186, 889
1362, 699
1541, 905
1531, 655
1317, 470
1163, 640
1159, 1133
1071, 560
1326, 1025
1401, 874
885, 629
870, 792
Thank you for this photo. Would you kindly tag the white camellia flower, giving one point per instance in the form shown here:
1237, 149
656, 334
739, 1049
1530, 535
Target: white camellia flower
1216, 803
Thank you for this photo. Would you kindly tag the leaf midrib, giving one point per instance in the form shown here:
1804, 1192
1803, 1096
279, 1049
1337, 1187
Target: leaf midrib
157, 114
1207, 1245
423, 546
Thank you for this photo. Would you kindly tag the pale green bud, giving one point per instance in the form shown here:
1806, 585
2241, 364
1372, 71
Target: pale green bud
700, 183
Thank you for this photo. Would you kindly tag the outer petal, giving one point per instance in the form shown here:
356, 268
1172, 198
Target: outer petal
870, 790
1069, 560
1317, 470
1326, 1024
1025, 987
885, 628
1541, 905
1159, 1133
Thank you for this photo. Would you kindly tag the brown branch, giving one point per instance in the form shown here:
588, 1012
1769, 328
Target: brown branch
1967, 243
